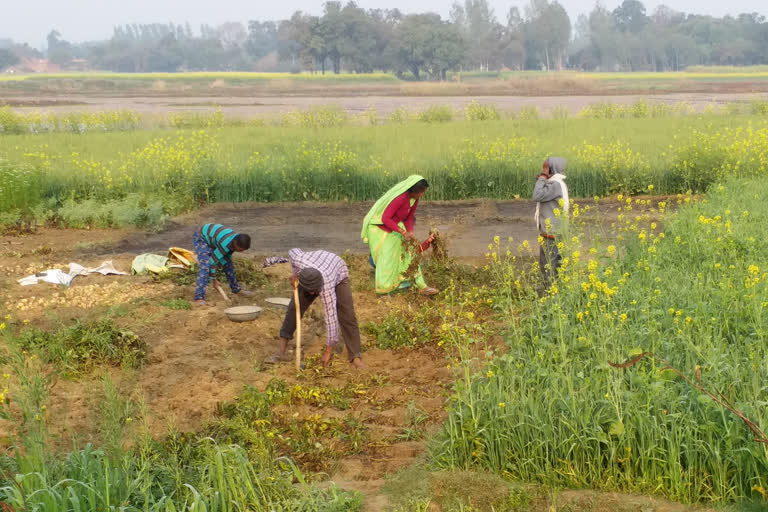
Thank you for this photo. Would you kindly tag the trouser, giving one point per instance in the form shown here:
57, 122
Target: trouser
345, 308
549, 261
203, 251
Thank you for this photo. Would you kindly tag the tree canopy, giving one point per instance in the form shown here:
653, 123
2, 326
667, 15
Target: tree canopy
346, 37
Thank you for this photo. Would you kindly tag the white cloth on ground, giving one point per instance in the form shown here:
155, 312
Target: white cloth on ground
57, 276
54, 276
104, 269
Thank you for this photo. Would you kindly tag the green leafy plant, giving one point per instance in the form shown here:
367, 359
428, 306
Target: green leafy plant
84, 346
177, 304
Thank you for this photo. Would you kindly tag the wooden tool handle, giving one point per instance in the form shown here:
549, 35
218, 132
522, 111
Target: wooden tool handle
297, 307
221, 291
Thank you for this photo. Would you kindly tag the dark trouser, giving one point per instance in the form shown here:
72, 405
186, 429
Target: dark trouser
549, 261
347, 318
205, 273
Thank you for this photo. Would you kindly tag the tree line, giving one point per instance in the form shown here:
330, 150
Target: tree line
348, 38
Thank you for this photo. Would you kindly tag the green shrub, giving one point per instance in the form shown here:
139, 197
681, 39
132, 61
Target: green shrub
10, 122
197, 120
478, 112
436, 114
19, 186
10, 219
134, 210
400, 115
84, 346
177, 304
402, 328
759, 107
317, 117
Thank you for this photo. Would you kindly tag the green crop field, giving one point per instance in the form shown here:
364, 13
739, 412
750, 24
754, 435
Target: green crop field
694, 293
642, 370
323, 154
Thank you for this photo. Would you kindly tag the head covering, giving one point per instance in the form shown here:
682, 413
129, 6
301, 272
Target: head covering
373, 218
556, 164
556, 167
311, 280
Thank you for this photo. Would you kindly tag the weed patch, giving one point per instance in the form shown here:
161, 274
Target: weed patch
177, 304
264, 421
78, 349
178, 473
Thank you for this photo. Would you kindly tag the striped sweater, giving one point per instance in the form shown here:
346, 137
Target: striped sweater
219, 239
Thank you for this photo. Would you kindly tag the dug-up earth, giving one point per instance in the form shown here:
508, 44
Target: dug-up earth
198, 359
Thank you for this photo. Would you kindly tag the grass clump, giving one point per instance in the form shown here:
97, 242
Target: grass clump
80, 348
436, 114
19, 186
12, 123
418, 489
479, 112
177, 304
317, 117
197, 120
400, 115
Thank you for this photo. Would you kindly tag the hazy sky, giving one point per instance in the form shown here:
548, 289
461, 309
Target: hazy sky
78, 20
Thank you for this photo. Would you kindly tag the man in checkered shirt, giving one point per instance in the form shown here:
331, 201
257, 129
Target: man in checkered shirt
324, 274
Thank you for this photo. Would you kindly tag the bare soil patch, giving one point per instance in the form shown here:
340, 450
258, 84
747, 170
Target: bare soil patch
37, 103
468, 225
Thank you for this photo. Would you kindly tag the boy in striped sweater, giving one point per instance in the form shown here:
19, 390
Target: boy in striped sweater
214, 245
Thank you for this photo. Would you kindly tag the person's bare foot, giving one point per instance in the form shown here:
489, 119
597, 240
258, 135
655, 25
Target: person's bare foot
358, 363
327, 355
429, 291
200, 303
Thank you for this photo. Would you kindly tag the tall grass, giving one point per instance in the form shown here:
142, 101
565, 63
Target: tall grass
134, 472
694, 291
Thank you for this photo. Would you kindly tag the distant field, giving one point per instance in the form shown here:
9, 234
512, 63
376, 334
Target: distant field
204, 76
511, 83
699, 72
696, 73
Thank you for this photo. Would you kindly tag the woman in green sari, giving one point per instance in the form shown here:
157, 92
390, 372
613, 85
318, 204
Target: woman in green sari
387, 227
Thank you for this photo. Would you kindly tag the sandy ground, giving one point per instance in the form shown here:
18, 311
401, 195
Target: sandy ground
266, 106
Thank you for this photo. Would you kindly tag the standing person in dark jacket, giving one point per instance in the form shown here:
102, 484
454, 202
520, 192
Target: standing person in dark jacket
214, 245
548, 193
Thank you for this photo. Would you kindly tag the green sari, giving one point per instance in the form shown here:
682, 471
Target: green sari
389, 255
